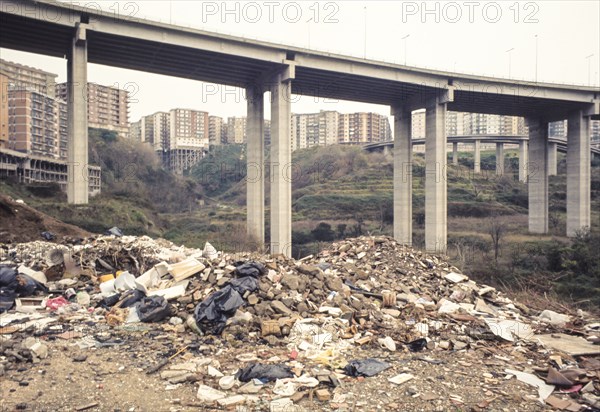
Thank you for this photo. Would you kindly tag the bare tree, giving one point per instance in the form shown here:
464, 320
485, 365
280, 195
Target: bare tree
497, 229
461, 252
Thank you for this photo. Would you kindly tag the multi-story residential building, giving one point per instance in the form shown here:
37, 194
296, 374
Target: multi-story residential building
179, 137
147, 129
135, 131
595, 136
108, 107
267, 132
460, 124
557, 129
189, 128
3, 110
161, 132
418, 124
21, 77
357, 128
37, 124
217, 131
236, 130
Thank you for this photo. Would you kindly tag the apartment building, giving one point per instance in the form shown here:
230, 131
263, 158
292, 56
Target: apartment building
595, 136
460, 124
135, 131
22, 77
217, 131
358, 128
37, 124
188, 128
108, 107
3, 110
236, 130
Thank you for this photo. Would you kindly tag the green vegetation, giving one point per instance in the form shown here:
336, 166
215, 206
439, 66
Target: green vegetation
135, 190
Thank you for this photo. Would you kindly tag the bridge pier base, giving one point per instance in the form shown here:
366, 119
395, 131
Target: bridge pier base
552, 159
523, 161
77, 143
455, 154
499, 159
538, 176
255, 176
402, 176
436, 201
578, 173
477, 156
281, 166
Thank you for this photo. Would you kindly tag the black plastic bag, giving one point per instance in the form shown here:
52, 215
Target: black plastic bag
8, 287
266, 373
27, 286
253, 269
13, 284
417, 345
366, 367
131, 297
8, 277
212, 313
7, 299
48, 235
110, 301
245, 284
153, 309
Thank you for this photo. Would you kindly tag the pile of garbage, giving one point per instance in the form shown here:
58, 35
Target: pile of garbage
351, 312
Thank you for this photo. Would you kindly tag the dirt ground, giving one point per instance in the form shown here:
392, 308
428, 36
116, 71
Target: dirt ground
22, 223
113, 378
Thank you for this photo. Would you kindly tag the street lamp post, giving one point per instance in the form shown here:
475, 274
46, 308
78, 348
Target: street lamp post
405, 53
509, 51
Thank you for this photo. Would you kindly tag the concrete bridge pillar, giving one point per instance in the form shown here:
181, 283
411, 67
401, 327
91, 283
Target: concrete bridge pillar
523, 161
499, 159
455, 153
402, 176
436, 201
477, 156
255, 176
552, 159
77, 146
578, 173
538, 176
281, 164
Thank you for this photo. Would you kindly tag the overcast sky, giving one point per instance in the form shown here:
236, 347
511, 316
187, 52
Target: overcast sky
462, 36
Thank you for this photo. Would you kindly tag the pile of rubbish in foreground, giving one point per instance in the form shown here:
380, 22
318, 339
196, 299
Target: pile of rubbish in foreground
358, 311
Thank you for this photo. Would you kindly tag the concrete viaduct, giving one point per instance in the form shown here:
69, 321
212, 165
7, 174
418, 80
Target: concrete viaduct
88, 35
555, 145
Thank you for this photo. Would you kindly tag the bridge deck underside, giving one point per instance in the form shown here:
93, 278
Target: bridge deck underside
54, 39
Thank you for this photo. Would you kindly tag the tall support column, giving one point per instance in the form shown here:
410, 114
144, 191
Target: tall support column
538, 176
436, 201
523, 161
477, 156
578, 173
552, 160
281, 164
402, 176
455, 153
77, 146
255, 182
499, 159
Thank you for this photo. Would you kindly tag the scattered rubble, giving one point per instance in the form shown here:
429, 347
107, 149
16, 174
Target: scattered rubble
365, 325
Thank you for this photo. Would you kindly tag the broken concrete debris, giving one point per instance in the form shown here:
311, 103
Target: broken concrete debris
277, 333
